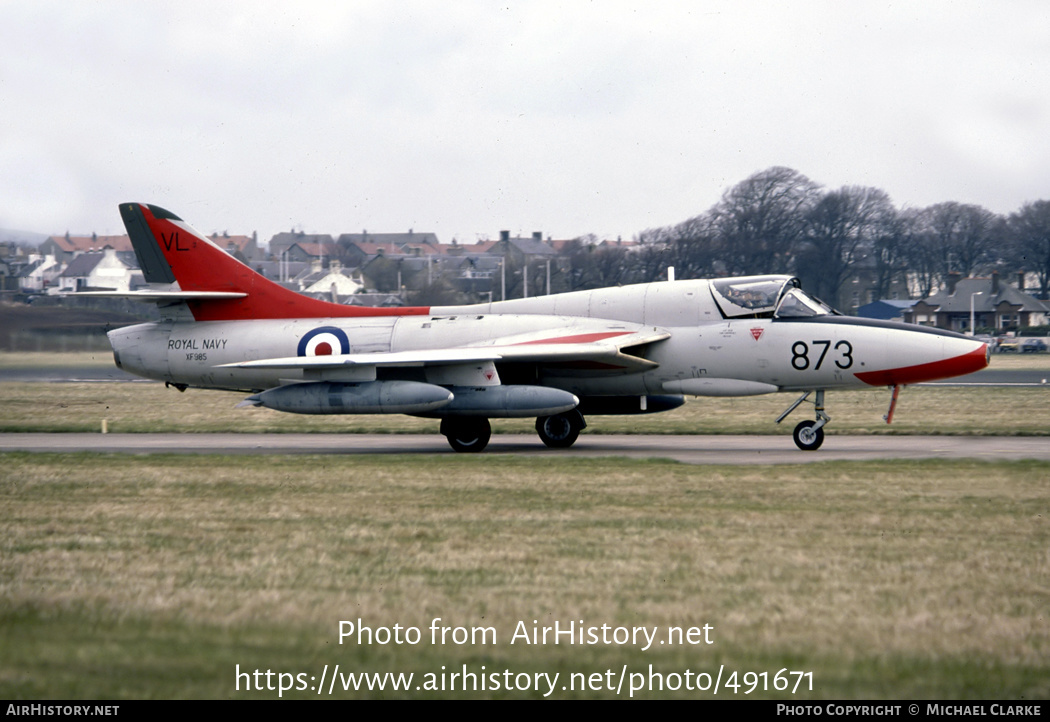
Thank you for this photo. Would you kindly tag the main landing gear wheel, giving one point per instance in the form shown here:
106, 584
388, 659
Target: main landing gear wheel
808, 436
561, 430
468, 435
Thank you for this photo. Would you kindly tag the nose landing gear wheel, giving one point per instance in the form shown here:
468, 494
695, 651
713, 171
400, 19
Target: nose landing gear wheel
807, 437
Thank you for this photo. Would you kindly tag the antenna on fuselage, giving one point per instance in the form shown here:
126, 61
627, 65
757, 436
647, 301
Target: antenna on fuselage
670, 273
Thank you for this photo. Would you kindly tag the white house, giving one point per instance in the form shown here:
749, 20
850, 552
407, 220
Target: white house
335, 283
105, 271
40, 274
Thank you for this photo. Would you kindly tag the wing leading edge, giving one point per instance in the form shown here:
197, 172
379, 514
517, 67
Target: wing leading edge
611, 353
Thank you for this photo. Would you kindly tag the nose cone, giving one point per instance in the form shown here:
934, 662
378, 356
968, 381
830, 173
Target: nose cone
929, 356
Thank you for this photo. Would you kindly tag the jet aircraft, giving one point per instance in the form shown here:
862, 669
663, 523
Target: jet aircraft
560, 358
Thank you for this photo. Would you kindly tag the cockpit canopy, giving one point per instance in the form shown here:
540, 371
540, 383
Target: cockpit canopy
766, 297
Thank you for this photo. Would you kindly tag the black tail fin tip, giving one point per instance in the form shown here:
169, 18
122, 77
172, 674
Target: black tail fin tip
160, 213
155, 268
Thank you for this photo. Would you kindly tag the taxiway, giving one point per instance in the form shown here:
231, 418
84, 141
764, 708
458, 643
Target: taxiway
686, 449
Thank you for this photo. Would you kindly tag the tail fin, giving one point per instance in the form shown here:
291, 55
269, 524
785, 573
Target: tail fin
170, 250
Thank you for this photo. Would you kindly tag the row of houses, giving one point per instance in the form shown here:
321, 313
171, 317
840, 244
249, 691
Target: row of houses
337, 268
36, 273
374, 269
67, 264
969, 304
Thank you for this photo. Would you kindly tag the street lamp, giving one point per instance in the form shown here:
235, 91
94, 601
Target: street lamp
979, 293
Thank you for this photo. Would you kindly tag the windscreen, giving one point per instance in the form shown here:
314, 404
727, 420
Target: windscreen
766, 297
796, 304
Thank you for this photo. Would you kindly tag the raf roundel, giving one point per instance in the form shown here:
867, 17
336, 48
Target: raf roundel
324, 341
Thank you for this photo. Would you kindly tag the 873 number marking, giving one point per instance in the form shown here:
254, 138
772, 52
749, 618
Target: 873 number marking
800, 359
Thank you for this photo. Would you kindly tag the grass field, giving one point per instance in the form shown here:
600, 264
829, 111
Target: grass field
150, 407
133, 577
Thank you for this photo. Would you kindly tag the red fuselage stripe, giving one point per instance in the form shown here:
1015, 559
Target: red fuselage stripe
579, 338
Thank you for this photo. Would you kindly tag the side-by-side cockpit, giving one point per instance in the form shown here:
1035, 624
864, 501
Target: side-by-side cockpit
766, 297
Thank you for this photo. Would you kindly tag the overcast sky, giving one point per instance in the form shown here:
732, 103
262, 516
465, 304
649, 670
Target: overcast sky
465, 118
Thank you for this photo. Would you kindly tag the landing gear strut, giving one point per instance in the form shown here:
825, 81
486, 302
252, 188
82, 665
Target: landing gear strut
561, 430
809, 435
466, 434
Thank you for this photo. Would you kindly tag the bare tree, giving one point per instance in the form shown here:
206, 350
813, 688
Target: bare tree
841, 227
760, 221
439, 293
651, 260
692, 247
779, 221
962, 236
1030, 241
889, 254
921, 253
590, 264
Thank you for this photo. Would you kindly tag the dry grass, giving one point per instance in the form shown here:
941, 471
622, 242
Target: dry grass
135, 577
1028, 361
884, 579
143, 407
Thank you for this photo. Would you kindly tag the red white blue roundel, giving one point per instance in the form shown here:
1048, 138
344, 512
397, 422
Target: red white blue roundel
324, 341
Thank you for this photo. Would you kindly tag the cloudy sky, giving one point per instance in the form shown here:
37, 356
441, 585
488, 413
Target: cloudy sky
467, 117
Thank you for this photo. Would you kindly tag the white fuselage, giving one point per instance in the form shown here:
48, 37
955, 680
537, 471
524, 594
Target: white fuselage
706, 354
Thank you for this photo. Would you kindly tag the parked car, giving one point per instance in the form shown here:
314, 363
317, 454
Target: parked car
1033, 345
1008, 345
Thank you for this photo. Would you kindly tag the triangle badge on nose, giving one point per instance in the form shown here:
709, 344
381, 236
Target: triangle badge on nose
756, 333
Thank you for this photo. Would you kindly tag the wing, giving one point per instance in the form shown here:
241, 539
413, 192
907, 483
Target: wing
617, 351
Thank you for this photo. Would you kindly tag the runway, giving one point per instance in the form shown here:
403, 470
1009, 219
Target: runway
746, 450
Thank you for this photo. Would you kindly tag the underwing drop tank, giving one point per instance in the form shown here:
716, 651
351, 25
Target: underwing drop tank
505, 402
373, 397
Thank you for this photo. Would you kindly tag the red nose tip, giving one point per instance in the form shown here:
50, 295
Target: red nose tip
943, 369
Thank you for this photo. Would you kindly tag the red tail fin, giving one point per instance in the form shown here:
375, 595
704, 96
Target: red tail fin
170, 250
